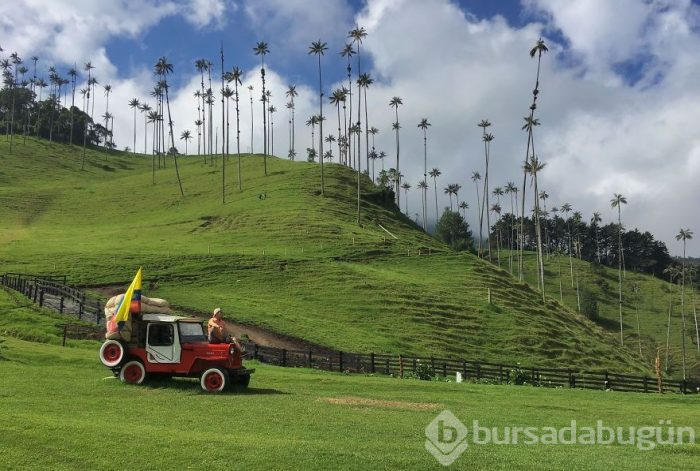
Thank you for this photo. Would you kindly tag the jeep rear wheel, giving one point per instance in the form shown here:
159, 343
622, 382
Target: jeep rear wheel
132, 372
112, 353
214, 380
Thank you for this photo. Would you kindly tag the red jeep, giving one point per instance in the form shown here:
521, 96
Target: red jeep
165, 345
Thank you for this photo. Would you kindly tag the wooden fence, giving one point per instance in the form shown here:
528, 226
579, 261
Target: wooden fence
478, 371
53, 292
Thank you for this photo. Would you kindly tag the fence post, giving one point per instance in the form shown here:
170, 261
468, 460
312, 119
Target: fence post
65, 333
97, 312
500, 374
60, 307
432, 364
607, 381
255, 350
414, 365
41, 298
340, 361
684, 385
81, 306
464, 369
36, 291
284, 357
310, 361
386, 366
400, 366
478, 371
645, 385
371, 362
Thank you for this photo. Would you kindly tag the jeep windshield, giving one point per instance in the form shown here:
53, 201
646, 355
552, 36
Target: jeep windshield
191, 332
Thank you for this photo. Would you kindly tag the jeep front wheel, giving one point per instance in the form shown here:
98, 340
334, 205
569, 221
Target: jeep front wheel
214, 380
112, 353
132, 372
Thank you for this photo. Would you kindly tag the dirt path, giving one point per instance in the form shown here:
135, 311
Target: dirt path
258, 335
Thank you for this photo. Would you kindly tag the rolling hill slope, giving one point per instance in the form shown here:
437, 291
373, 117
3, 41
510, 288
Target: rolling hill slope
279, 255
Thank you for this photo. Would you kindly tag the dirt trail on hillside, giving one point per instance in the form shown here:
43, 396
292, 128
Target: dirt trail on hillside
258, 335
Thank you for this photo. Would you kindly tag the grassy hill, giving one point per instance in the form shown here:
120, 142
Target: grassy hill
279, 255
645, 307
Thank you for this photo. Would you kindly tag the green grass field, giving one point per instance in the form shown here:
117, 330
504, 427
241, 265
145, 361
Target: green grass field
291, 261
61, 409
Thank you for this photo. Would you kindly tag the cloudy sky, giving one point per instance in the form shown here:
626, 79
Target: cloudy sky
619, 93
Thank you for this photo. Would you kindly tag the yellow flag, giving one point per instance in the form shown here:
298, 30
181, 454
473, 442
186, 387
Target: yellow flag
132, 294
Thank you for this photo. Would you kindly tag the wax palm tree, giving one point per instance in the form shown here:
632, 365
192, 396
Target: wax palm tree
163, 68
424, 124
406, 186
358, 34
395, 102
348, 52
88, 68
252, 118
318, 48
423, 185
202, 65
512, 190
187, 137
153, 117
312, 121
107, 89
684, 235
227, 94
496, 209
261, 49
134, 104
336, 98
595, 220
291, 94
616, 202
543, 197
476, 177
535, 166
145, 108
449, 191
236, 75
486, 138
272, 110
464, 206
538, 50
373, 131
434, 173
73, 73
566, 209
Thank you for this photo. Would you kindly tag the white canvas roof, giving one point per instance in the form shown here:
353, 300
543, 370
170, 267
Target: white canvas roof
152, 317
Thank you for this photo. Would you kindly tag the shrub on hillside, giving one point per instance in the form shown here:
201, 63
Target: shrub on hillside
454, 230
589, 304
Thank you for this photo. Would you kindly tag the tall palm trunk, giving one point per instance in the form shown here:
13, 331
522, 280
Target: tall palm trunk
437, 213
538, 233
619, 270
224, 141
238, 137
264, 113
172, 140
481, 218
320, 124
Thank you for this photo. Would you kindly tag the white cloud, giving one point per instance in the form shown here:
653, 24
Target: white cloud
202, 13
291, 25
